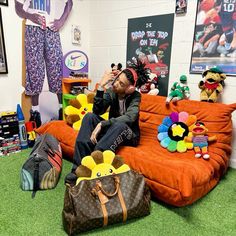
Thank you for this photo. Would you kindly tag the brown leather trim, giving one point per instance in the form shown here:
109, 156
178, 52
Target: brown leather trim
105, 215
123, 206
103, 200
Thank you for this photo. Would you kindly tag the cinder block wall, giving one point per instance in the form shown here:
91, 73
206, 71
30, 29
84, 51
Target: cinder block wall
108, 38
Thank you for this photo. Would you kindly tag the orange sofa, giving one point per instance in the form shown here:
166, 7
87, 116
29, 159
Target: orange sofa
176, 178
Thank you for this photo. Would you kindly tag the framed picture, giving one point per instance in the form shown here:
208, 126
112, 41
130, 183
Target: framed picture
214, 42
4, 2
76, 35
181, 7
3, 59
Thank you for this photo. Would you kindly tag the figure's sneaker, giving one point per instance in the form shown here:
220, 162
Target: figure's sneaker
205, 156
198, 154
35, 116
175, 99
168, 100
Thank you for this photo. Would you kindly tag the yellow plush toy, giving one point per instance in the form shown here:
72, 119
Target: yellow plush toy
78, 108
100, 164
212, 85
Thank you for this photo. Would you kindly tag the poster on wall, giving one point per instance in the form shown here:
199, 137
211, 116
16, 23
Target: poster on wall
214, 42
181, 7
149, 39
76, 35
3, 59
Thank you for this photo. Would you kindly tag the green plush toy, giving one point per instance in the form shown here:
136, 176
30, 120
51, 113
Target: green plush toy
179, 90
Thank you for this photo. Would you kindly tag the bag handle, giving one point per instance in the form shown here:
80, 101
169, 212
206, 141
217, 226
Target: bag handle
117, 186
99, 187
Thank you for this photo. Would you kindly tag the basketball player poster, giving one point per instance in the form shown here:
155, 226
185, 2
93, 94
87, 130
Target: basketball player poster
149, 39
214, 42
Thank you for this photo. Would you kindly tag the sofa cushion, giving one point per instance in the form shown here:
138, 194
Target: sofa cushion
175, 178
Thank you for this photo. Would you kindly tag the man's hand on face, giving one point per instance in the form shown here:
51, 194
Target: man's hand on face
108, 77
95, 133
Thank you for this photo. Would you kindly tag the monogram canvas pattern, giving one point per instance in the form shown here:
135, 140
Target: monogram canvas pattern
82, 208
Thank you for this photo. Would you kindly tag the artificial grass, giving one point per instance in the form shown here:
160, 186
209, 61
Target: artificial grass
215, 214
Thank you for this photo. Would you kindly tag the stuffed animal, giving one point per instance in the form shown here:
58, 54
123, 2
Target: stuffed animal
179, 90
78, 108
116, 68
100, 164
200, 140
212, 85
173, 130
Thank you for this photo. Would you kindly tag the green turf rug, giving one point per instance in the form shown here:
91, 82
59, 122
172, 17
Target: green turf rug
215, 214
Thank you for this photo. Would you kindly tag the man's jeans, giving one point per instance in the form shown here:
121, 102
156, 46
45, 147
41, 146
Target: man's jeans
110, 138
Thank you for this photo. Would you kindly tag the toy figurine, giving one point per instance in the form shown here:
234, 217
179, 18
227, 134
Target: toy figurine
212, 85
200, 140
179, 90
116, 69
100, 164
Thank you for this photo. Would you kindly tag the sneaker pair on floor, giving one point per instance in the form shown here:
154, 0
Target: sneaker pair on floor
35, 116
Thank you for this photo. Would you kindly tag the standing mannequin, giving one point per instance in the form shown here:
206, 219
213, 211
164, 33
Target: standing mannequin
43, 47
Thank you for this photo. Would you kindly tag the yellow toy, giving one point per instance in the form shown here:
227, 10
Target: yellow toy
78, 108
212, 85
100, 164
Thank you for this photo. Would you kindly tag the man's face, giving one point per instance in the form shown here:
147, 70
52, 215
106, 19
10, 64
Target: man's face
121, 84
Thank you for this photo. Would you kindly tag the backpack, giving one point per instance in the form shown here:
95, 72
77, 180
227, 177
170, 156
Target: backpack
43, 167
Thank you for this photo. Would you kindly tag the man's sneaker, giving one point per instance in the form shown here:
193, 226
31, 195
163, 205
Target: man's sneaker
60, 114
70, 178
35, 116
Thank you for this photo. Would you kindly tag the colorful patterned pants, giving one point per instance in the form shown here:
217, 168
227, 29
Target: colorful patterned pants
42, 50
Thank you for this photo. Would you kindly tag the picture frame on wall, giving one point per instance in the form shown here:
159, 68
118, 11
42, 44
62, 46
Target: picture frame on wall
76, 35
181, 7
4, 2
214, 40
3, 59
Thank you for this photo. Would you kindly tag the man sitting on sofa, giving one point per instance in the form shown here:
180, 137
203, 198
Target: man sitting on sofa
122, 127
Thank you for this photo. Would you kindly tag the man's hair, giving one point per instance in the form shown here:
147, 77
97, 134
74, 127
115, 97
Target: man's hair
142, 73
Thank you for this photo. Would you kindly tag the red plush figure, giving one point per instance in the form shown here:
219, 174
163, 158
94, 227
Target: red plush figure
200, 140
